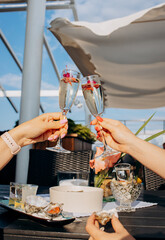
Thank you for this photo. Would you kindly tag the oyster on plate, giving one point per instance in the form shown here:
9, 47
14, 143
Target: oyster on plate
53, 209
35, 204
40, 207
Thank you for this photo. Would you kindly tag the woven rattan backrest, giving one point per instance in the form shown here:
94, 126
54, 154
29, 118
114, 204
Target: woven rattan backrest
75, 161
44, 165
152, 180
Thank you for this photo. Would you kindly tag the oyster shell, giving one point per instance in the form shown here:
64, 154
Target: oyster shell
35, 204
53, 209
105, 216
39, 207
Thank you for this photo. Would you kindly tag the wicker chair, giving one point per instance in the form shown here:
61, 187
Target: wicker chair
44, 165
152, 181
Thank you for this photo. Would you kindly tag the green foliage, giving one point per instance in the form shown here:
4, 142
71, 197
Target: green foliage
146, 122
138, 164
154, 135
82, 131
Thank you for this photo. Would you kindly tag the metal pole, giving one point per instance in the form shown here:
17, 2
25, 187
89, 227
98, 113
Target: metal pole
10, 101
23, 7
2, 36
31, 80
51, 58
16, 61
72, 3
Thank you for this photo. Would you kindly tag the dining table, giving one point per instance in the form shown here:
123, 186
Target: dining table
144, 223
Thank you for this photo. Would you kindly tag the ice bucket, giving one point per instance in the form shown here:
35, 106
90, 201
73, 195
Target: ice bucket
77, 199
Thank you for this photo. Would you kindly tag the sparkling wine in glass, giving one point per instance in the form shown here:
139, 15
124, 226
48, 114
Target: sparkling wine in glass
94, 98
69, 85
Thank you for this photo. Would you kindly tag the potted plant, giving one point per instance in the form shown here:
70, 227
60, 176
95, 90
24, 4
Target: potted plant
79, 137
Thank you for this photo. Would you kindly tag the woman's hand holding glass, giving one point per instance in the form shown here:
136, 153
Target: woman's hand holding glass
47, 126
117, 135
94, 98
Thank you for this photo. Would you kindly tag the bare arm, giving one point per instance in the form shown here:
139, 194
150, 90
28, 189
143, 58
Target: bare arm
38, 129
6, 154
122, 139
149, 155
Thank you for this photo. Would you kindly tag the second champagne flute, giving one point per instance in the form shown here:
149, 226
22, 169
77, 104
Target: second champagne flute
94, 98
69, 85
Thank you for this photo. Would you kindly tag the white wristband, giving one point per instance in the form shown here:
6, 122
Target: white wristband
14, 147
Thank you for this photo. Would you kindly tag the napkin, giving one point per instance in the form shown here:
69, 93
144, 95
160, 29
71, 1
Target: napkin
112, 206
137, 204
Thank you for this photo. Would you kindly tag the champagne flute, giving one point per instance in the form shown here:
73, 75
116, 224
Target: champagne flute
69, 85
94, 98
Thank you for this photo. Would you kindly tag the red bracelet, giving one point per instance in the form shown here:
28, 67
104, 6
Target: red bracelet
14, 147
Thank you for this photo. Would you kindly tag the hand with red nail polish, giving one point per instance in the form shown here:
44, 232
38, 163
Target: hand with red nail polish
99, 118
120, 138
110, 129
94, 122
97, 128
99, 133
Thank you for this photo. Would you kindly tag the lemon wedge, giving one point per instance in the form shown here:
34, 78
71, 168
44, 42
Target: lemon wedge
139, 180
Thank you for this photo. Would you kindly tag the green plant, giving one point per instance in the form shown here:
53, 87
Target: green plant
149, 138
138, 164
82, 131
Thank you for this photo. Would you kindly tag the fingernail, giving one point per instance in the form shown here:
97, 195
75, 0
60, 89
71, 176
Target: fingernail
63, 135
50, 139
97, 128
99, 118
55, 137
99, 133
63, 121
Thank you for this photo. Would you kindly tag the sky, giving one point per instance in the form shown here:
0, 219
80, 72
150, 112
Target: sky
13, 25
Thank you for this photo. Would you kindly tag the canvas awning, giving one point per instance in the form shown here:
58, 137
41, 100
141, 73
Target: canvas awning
128, 53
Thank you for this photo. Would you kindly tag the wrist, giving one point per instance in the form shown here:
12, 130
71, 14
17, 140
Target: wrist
132, 147
17, 136
129, 144
10, 142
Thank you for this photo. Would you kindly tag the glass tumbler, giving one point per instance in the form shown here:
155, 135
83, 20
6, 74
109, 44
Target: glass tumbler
66, 178
125, 188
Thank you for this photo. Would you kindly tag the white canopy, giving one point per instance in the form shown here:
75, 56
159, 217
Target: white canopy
128, 53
